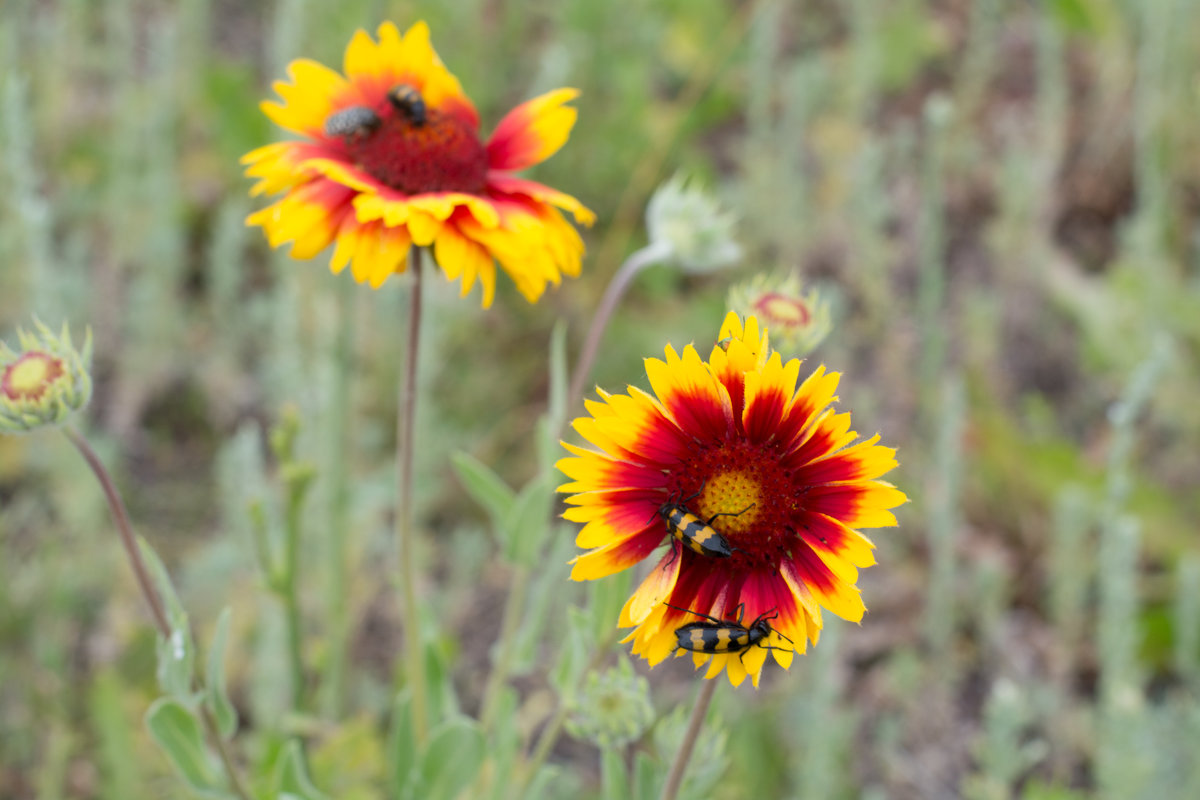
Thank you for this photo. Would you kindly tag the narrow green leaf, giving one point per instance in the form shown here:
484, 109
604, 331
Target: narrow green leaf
443, 699
176, 653
402, 746
526, 524
485, 487
291, 779
216, 695
119, 767
452, 759
614, 780
179, 735
646, 777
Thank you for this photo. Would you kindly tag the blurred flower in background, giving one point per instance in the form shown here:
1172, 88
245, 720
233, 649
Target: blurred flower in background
687, 225
44, 381
797, 320
392, 158
781, 468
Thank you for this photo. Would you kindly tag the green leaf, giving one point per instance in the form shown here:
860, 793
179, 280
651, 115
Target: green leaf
216, 695
485, 487
614, 780
646, 775
119, 766
443, 699
402, 745
452, 760
526, 525
291, 779
177, 652
179, 735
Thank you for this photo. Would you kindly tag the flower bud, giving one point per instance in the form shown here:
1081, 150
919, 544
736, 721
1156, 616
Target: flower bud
797, 320
613, 709
685, 222
44, 381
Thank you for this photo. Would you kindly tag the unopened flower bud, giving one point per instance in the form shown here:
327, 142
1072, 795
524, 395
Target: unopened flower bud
613, 709
797, 320
43, 381
686, 222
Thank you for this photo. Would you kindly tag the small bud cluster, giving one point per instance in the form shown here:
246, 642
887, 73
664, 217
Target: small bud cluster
44, 381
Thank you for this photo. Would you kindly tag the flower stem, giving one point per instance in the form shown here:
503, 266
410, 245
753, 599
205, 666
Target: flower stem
636, 262
695, 723
334, 684
405, 549
121, 518
291, 596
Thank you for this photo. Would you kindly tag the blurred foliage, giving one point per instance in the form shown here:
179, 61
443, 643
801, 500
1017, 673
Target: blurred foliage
1000, 197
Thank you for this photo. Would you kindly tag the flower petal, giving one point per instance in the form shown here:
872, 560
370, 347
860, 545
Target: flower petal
533, 131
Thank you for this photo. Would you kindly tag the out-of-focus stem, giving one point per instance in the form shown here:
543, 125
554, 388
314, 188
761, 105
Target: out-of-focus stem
121, 518
695, 723
291, 597
636, 262
513, 607
339, 543
405, 547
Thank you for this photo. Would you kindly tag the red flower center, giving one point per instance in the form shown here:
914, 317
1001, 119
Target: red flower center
755, 496
29, 376
442, 155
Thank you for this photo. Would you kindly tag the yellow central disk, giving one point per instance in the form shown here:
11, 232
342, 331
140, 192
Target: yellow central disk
734, 495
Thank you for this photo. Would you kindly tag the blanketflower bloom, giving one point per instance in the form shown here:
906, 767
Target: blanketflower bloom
391, 157
732, 436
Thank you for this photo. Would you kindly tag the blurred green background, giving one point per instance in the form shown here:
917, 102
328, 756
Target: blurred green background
1001, 197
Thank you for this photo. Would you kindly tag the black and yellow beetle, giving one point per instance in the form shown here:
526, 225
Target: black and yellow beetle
725, 636
695, 533
408, 101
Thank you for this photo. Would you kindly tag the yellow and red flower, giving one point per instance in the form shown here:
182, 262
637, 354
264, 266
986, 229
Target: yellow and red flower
392, 158
785, 470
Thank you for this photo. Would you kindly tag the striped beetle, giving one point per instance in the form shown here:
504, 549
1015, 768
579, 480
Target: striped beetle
408, 101
723, 636
693, 532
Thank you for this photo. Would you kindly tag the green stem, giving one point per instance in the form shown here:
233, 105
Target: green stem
339, 501
291, 596
513, 607
403, 518
695, 723
120, 515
